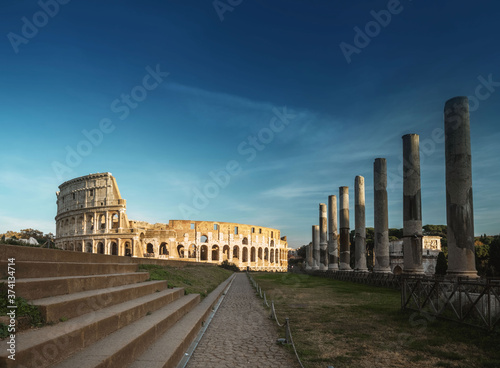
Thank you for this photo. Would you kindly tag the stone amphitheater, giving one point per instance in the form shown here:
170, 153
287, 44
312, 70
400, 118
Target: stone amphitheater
91, 218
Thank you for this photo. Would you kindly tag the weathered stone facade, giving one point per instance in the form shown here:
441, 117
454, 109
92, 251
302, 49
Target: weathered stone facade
91, 217
430, 250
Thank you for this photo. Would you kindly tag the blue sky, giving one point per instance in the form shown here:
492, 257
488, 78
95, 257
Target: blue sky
255, 105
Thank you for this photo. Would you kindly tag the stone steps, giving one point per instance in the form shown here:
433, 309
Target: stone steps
51, 344
73, 305
101, 313
21, 253
123, 346
34, 269
38, 288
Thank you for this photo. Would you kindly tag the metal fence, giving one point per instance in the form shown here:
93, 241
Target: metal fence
387, 280
472, 302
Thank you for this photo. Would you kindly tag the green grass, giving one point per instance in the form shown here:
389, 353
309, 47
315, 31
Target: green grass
195, 279
29, 313
344, 324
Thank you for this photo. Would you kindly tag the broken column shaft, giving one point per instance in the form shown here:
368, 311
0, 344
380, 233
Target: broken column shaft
359, 218
412, 206
459, 206
323, 232
381, 218
309, 256
316, 253
333, 259
345, 255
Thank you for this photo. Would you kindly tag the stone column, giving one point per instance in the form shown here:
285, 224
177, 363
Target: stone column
412, 206
309, 256
323, 234
459, 206
316, 255
333, 259
345, 254
381, 216
359, 218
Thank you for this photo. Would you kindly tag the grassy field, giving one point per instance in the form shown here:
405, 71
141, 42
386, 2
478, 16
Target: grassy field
344, 324
193, 278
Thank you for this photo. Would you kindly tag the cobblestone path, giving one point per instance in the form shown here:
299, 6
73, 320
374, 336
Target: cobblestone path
241, 334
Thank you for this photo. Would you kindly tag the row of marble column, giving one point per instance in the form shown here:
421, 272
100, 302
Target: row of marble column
330, 247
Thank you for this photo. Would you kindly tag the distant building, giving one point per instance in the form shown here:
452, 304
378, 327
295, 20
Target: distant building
91, 217
431, 248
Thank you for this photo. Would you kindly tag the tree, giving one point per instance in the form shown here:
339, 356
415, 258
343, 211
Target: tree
395, 234
482, 259
441, 264
494, 260
301, 252
436, 230
31, 233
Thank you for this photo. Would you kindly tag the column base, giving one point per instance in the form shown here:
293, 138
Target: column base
345, 267
361, 270
333, 267
456, 274
415, 271
382, 270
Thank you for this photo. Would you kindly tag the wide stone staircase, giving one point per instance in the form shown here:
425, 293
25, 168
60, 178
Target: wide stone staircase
100, 312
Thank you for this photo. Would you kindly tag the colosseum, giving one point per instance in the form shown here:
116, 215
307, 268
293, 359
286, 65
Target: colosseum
91, 217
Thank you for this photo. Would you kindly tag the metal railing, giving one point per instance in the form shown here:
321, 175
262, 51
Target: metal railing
387, 280
471, 302
288, 333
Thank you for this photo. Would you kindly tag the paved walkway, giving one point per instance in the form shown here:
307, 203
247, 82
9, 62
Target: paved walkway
241, 334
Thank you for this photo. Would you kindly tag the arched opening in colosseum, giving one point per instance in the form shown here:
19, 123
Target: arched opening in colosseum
244, 241
72, 225
90, 223
272, 243
204, 239
244, 257
259, 255
114, 249
88, 247
81, 224
100, 248
277, 256
66, 226
150, 249
271, 260
215, 252
204, 253
236, 254
252, 254
266, 254
225, 252
180, 250
115, 221
128, 249
102, 222
79, 247
163, 249
192, 251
